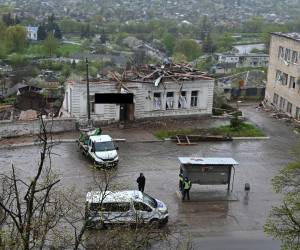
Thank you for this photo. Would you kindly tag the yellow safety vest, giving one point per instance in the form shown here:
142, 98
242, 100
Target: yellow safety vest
187, 184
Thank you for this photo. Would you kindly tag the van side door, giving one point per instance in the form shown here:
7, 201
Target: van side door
143, 212
119, 212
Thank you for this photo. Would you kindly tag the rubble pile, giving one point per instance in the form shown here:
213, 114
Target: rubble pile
159, 73
277, 113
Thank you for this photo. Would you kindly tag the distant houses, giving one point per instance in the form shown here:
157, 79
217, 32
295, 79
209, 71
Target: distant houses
32, 33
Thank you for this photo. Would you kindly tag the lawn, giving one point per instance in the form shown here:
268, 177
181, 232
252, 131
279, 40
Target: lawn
244, 130
37, 49
67, 49
162, 134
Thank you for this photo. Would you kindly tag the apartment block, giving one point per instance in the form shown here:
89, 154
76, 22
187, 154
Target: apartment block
283, 85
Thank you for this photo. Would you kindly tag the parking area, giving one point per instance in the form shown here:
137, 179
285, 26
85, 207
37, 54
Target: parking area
242, 219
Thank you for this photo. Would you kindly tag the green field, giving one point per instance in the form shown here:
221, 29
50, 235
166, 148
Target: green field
37, 49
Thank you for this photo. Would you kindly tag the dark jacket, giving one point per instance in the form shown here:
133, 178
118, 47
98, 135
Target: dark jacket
141, 180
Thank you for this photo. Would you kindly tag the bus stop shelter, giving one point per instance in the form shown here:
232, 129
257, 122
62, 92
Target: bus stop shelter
208, 171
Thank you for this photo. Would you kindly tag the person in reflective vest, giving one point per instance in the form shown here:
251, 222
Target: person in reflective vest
181, 182
186, 188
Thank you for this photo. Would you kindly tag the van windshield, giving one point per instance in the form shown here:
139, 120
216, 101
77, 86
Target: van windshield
104, 146
149, 200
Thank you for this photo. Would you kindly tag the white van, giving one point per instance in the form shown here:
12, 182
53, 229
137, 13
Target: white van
102, 150
124, 207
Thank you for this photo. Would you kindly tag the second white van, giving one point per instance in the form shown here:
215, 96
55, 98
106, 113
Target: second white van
124, 207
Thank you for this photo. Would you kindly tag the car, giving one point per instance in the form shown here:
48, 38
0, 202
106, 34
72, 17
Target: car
124, 207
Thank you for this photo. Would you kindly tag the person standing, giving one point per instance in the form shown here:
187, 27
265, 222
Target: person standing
141, 180
181, 182
186, 188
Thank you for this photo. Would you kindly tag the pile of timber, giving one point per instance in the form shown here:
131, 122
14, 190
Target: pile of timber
192, 139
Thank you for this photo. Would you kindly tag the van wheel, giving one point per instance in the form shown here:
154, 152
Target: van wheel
155, 223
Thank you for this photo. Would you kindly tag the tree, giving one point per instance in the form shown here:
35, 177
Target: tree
16, 38
189, 48
225, 43
204, 28
7, 19
283, 222
208, 46
169, 41
3, 50
57, 32
51, 44
41, 33
179, 58
254, 25
28, 210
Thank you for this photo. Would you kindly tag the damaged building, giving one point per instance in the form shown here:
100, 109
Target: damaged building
156, 91
283, 85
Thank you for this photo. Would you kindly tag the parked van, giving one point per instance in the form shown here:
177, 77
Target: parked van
124, 207
101, 149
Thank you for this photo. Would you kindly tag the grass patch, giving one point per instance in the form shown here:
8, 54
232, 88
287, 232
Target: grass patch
67, 49
162, 134
244, 130
64, 49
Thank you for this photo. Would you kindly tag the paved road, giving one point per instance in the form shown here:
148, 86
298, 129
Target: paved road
212, 224
247, 240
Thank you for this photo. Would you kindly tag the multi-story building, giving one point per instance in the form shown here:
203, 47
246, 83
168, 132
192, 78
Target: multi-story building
283, 85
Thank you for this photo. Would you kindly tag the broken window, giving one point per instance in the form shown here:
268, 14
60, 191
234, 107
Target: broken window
284, 79
275, 99
294, 57
92, 104
278, 77
287, 55
280, 52
292, 82
289, 108
182, 103
170, 100
282, 103
194, 99
297, 116
157, 101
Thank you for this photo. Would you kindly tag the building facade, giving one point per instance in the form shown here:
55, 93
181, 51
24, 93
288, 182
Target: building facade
251, 60
32, 33
283, 85
150, 98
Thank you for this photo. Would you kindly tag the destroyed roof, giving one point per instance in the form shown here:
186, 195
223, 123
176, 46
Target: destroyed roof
292, 35
154, 74
159, 73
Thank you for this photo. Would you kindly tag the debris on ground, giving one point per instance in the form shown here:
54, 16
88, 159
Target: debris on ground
28, 115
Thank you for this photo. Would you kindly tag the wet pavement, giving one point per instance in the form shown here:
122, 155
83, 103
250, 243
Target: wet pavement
212, 224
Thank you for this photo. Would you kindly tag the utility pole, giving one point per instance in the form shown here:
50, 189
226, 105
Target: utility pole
88, 90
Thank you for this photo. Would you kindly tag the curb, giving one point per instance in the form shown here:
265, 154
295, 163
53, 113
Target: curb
251, 138
237, 138
28, 144
58, 141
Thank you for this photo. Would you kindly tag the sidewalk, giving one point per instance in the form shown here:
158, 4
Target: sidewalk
129, 134
137, 131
